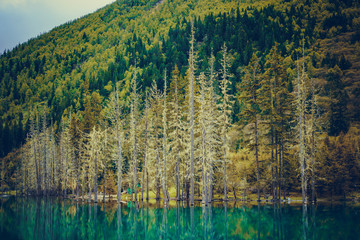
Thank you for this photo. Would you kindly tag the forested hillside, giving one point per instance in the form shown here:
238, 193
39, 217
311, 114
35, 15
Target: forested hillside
259, 96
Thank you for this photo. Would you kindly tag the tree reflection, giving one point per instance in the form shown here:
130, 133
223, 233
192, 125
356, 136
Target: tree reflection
64, 219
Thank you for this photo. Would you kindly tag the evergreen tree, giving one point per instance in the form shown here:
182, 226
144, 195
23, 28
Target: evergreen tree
155, 137
175, 127
226, 108
164, 123
249, 95
133, 131
191, 75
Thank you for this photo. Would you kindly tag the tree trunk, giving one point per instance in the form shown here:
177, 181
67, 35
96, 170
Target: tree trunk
301, 135
272, 167
104, 186
277, 166
164, 144
257, 159
192, 111
234, 193
147, 186
95, 176
313, 144
38, 189
145, 151
210, 185
134, 133
45, 159
89, 188
177, 176
313, 168
118, 140
225, 175
83, 189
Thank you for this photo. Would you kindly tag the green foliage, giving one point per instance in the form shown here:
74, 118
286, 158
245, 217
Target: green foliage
75, 66
339, 168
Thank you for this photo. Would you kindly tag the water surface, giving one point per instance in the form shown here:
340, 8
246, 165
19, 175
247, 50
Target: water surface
27, 218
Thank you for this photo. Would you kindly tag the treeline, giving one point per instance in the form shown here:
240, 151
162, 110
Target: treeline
136, 142
264, 108
179, 138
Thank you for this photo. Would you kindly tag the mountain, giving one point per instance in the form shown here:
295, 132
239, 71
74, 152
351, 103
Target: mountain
56, 72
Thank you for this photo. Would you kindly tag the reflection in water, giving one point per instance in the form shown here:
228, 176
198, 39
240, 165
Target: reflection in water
258, 221
58, 219
305, 222
119, 227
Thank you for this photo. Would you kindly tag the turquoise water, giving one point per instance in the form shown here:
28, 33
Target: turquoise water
22, 218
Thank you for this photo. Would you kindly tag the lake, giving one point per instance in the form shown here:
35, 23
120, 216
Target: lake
28, 218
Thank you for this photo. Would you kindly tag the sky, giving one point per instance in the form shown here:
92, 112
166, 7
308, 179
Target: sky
21, 20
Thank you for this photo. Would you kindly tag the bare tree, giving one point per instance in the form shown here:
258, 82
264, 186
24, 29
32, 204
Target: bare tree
225, 111
34, 136
175, 128
145, 164
301, 127
165, 141
133, 131
119, 138
191, 75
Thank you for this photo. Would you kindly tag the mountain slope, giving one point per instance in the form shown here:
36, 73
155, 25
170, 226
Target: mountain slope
102, 47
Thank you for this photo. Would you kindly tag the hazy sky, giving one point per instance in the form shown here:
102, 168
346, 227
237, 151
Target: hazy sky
21, 20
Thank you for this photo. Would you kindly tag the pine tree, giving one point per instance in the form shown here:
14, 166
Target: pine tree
75, 141
204, 123
191, 74
65, 152
44, 143
301, 126
119, 141
155, 137
275, 100
313, 139
214, 126
94, 143
133, 132
164, 123
146, 149
105, 156
249, 91
34, 138
175, 127
226, 108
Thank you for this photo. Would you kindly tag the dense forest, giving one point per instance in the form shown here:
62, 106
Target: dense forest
187, 99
